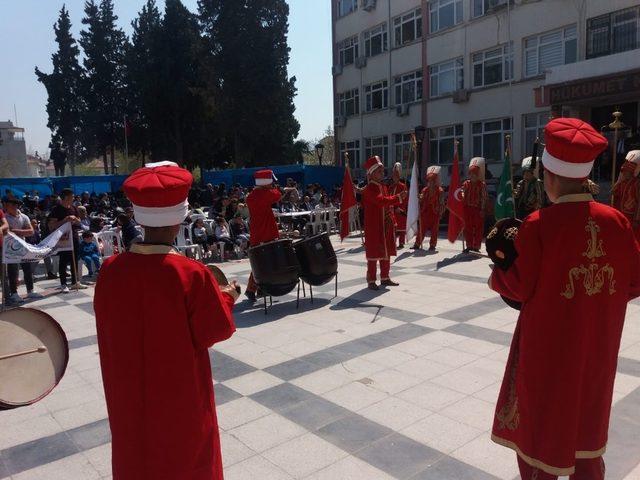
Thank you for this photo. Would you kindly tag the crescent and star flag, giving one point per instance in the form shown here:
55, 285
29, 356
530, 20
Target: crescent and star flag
347, 202
454, 200
413, 211
504, 207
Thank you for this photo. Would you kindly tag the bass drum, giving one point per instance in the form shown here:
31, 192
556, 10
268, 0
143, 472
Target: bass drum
318, 261
275, 267
33, 356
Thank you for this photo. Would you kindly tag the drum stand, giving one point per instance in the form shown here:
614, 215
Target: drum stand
304, 293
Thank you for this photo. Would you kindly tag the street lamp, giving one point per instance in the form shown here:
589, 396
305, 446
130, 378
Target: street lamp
419, 132
320, 152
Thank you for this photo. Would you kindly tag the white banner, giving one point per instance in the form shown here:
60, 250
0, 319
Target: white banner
16, 250
413, 212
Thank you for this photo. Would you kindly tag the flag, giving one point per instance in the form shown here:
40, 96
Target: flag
413, 212
17, 250
347, 202
504, 201
454, 202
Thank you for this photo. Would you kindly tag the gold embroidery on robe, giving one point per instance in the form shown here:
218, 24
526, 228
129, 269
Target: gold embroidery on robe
509, 415
593, 275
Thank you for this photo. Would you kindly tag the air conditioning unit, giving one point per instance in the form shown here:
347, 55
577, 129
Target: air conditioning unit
337, 69
361, 62
495, 6
368, 5
340, 121
402, 110
461, 96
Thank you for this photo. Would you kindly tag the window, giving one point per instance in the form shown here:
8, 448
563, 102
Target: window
484, 7
349, 102
534, 124
376, 96
345, 7
353, 149
613, 33
375, 40
446, 77
489, 138
407, 28
444, 14
442, 143
377, 146
348, 51
550, 49
408, 87
492, 66
402, 148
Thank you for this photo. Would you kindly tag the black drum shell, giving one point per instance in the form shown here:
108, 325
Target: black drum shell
275, 267
317, 258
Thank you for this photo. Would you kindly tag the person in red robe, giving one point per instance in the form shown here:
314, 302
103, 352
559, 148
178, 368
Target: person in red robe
626, 191
379, 234
396, 187
474, 199
264, 227
157, 313
577, 266
431, 209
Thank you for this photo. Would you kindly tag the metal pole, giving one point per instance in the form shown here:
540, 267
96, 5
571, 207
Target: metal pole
126, 143
616, 125
4, 285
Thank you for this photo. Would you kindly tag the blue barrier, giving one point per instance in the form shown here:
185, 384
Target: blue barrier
49, 185
328, 177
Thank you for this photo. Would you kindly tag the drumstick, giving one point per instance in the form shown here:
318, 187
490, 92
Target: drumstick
40, 349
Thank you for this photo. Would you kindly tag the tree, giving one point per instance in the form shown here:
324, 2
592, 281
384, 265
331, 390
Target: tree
63, 85
104, 88
328, 156
249, 41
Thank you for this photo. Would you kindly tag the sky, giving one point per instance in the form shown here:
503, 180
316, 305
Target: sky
27, 41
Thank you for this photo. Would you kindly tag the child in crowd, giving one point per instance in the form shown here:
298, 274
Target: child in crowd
222, 234
89, 253
130, 233
240, 231
200, 236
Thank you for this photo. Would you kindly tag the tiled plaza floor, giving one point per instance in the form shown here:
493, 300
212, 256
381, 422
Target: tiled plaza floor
399, 383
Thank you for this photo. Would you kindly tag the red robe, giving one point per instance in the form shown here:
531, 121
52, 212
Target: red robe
264, 227
578, 266
626, 196
400, 212
379, 231
474, 200
430, 213
157, 313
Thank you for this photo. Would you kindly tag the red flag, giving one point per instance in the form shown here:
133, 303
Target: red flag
347, 202
454, 202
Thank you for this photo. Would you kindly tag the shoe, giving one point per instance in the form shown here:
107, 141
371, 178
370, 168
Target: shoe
466, 250
401, 246
373, 286
64, 289
15, 298
34, 295
389, 283
416, 247
51, 276
79, 286
432, 249
250, 295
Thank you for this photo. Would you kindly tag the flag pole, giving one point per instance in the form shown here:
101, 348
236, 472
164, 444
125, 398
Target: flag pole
455, 154
508, 139
126, 143
4, 285
74, 263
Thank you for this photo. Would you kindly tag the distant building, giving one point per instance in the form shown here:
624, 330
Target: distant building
477, 71
39, 167
13, 152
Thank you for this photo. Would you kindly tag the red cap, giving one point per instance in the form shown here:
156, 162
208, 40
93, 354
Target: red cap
264, 177
571, 147
159, 194
373, 164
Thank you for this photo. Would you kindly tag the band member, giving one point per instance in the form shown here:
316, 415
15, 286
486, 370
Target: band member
431, 209
626, 191
529, 192
578, 265
379, 232
396, 187
264, 227
474, 199
157, 313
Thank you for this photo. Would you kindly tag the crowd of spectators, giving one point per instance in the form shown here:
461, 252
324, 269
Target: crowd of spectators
218, 215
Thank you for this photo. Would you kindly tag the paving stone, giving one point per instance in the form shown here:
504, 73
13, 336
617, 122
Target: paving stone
353, 432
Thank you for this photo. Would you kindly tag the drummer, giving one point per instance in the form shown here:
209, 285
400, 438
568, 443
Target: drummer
264, 227
153, 347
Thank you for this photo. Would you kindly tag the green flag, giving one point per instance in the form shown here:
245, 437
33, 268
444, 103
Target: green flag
504, 201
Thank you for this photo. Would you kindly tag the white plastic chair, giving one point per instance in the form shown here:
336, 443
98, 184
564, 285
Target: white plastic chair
184, 244
328, 222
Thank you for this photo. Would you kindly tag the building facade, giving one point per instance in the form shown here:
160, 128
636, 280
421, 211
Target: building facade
13, 151
478, 72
